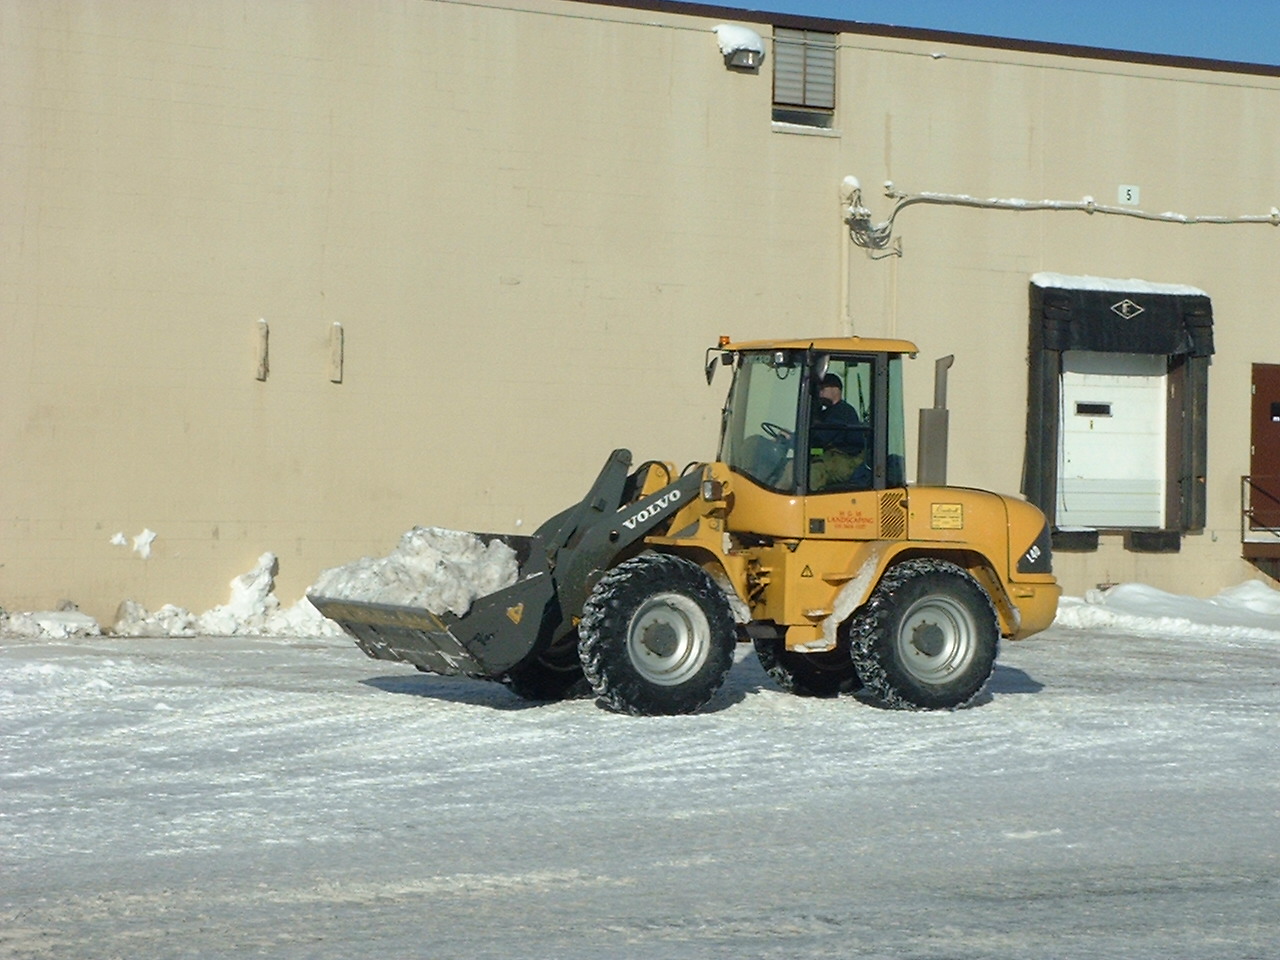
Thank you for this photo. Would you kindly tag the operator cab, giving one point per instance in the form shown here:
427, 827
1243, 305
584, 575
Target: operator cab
805, 420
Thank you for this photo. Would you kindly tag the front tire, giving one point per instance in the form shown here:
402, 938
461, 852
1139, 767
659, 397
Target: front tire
926, 638
656, 637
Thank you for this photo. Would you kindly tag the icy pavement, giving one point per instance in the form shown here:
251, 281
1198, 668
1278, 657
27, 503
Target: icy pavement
1113, 796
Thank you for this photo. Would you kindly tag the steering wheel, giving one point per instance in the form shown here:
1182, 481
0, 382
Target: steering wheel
776, 433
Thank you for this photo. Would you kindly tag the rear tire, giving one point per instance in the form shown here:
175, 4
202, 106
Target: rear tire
926, 638
826, 674
657, 637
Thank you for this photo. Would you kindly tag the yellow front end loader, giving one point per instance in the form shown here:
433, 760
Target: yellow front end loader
803, 538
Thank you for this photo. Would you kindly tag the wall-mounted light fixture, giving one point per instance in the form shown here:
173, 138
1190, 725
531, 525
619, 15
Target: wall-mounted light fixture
741, 47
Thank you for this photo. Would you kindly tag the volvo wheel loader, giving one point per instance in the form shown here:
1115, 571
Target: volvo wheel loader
802, 538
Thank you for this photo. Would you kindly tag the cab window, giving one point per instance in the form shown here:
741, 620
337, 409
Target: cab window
841, 451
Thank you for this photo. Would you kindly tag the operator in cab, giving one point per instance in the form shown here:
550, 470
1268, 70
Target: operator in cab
837, 441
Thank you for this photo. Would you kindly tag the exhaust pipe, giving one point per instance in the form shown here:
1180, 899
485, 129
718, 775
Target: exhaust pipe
931, 454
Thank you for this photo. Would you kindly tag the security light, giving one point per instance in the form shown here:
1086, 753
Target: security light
742, 47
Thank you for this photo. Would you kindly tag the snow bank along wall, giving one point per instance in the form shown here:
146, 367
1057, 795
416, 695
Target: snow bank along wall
298, 277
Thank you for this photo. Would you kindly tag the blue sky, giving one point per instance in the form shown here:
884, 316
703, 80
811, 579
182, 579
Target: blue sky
1244, 30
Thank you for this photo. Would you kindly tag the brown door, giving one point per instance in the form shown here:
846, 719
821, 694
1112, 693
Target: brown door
1264, 464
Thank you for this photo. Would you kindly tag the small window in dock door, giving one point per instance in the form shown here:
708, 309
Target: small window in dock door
1085, 409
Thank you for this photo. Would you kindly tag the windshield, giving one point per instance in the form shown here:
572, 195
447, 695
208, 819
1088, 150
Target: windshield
760, 418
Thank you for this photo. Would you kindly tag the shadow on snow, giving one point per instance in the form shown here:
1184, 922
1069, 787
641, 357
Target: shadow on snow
745, 679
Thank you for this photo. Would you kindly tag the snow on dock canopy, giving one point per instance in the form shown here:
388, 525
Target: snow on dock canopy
1062, 281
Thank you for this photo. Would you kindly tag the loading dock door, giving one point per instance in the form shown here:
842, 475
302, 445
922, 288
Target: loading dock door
1172, 328
1112, 462
1264, 462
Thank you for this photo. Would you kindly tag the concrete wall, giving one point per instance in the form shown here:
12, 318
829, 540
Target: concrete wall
529, 224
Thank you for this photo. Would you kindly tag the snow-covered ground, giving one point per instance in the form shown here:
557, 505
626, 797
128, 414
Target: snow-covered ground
1114, 795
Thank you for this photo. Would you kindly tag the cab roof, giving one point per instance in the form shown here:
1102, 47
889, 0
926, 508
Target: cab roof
824, 345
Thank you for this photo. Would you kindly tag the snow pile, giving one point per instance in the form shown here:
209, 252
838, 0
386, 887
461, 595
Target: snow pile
134, 620
53, 624
253, 610
442, 570
253, 601
1250, 610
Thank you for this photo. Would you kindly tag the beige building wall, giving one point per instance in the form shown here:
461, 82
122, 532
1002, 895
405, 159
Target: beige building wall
529, 223
947, 118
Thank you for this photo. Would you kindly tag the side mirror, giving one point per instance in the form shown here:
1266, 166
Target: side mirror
711, 362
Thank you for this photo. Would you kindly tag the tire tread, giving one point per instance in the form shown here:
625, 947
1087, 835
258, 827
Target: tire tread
873, 625
606, 613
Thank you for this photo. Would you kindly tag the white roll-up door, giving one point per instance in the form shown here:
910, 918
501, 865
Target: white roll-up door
1112, 461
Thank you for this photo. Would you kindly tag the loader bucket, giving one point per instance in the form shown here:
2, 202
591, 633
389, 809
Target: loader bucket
556, 568
498, 631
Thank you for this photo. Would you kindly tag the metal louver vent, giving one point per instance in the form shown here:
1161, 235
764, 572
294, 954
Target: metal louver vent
804, 68
893, 516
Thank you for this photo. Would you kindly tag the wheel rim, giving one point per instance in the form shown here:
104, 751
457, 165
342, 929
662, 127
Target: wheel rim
668, 639
937, 639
